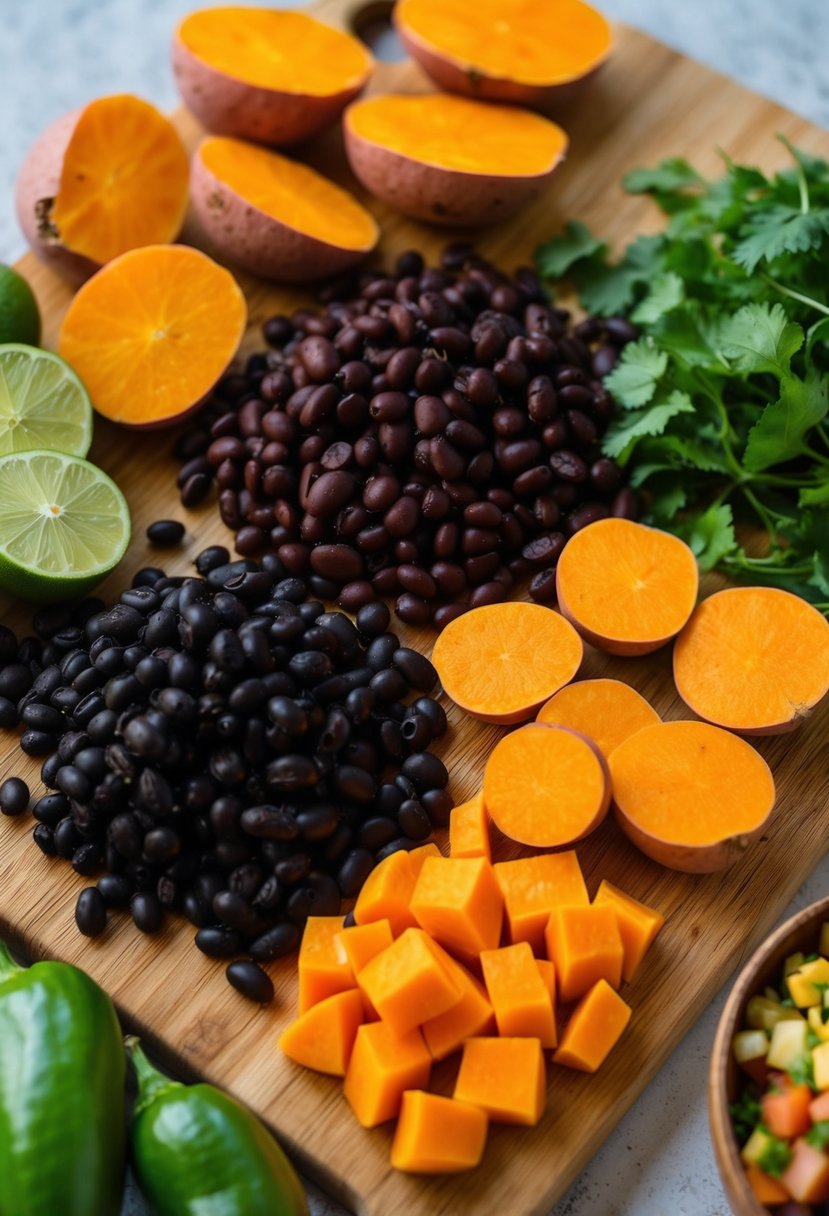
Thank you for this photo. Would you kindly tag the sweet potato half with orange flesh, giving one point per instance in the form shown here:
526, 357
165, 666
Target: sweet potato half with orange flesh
546, 786
753, 659
502, 662
627, 588
273, 216
607, 711
272, 75
103, 179
690, 795
534, 52
448, 160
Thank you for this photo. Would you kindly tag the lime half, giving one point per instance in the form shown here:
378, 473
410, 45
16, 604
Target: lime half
42, 403
63, 525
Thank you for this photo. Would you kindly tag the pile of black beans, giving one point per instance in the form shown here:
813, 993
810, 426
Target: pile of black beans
431, 435
225, 747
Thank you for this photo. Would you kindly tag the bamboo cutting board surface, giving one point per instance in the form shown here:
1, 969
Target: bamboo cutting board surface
648, 103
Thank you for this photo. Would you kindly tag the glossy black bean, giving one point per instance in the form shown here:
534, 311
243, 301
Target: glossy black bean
147, 912
87, 859
44, 838
415, 668
90, 912
67, 837
218, 941
14, 796
248, 978
425, 771
274, 943
438, 804
165, 533
115, 889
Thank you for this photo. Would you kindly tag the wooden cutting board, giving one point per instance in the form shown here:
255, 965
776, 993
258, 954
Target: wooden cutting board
649, 102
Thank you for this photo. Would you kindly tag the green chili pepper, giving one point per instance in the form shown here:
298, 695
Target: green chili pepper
61, 1093
199, 1152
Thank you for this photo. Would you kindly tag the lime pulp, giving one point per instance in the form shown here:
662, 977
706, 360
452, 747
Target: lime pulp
42, 403
63, 525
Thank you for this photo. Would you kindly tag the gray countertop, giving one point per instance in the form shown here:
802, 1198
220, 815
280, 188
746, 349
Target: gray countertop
55, 54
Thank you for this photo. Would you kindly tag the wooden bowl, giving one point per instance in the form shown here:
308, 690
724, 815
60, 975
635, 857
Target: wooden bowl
724, 1077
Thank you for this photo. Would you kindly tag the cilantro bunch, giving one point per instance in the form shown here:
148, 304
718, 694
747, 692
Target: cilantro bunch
723, 400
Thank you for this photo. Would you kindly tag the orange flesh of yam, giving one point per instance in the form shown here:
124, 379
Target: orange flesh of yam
753, 659
321, 968
323, 1037
594, 1029
436, 1135
819, 1107
766, 1189
290, 192
806, 1177
387, 891
504, 1077
585, 945
690, 785
285, 51
501, 662
530, 41
472, 1015
786, 1114
458, 134
407, 984
469, 830
546, 786
533, 886
458, 902
638, 924
627, 588
382, 1066
152, 332
123, 181
547, 971
359, 944
607, 711
519, 995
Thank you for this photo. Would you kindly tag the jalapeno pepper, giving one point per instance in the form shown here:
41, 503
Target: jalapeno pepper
195, 1149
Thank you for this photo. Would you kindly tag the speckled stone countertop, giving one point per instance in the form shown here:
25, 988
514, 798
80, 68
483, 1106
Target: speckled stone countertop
55, 54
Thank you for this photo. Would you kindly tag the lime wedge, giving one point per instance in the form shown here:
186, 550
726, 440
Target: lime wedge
42, 403
63, 525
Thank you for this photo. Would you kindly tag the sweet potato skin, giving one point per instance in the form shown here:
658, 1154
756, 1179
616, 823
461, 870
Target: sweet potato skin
448, 197
690, 859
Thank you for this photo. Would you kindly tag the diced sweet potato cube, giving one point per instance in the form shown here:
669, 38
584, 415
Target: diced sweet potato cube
806, 1177
766, 1189
382, 1066
321, 968
547, 971
586, 946
407, 983
504, 1077
819, 1107
458, 902
471, 1016
519, 996
638, 924
786, 1114
323, 1037
532, 887
387, 891
469, 830
594, 1028
436, 1135
360, 943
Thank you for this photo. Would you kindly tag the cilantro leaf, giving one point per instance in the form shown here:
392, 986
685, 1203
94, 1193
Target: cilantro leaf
780, 432
634, 378
622, 435
814, 496
666, 294
818, 1135
745, 1114
802, 1070
760, 338
606, 289
670, 175
775, 1156
818, 333
711, 535
780, 230
559, 254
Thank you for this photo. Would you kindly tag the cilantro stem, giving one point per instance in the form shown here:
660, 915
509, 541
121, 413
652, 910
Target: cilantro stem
794, 295
762, 513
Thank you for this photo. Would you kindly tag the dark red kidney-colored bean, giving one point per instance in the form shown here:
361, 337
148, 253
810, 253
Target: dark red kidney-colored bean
544, 550
446, 460
543, 587
565, 494
337, 456
416, 580
582, 427
446, 540
625, 505
465, 436
312, 529
478, 540
229, 447
412, 609
385, 581
546, 511
403, 364
480, 569
405, 324
338, 562
431, 415
605, 359
355, 595
351, 520
366, 451
389, 406
605, 475
533, 481
354, 376
586, 514
461, 493
482, 387
541, 400
445, 613
554, 434
568, 466
195, 489
405, 551
372, 539
352, 410
487, 593
295, 557
320, 358
330, 492
380, 492
278, 426
402, 517
620, 331
483, 515
436, 504
449, 577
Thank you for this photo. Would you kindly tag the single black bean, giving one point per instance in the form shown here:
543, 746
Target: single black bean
116, 890
249, 979
14, 796
44, 838
147, 912
165, 533
282, 939
218, 941
438, 805
91, 912
425, 771
416, 668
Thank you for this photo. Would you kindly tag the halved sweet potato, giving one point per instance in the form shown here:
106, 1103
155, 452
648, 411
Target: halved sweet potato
449, 160
273, 216
105, 178
274, 76
534, 53
689, 795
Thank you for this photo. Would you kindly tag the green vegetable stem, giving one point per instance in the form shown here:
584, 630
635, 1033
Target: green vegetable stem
198, 1151
723, 400
61, 1093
